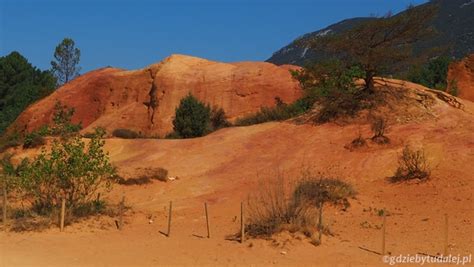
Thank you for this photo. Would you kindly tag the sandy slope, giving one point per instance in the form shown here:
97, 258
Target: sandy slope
224, 167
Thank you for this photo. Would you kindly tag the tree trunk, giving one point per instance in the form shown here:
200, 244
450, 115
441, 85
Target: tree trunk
369, 81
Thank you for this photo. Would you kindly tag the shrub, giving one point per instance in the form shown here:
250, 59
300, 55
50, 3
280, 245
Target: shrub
331, 85
33, 140
91, 135
134, 181
9, 140
192, 118
338, 104
358, 142
173, 135
278, 206
159, 174
412, 164
433, 74
273, 210
379, 127
70, 170
319, 191
62, 125
125, 134
279, 112
218, 119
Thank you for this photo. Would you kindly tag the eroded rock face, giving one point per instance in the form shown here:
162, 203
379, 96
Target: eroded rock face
462, 73
145, 100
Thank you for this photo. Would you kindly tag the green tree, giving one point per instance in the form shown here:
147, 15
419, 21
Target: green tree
433, 75
379, 44
71, 169
20, 85
66, 59
192, 118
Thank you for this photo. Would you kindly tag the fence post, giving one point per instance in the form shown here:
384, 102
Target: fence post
207, 221
119, 223
242, 223
5, 204
169, 219
383, 233
320, 224
63, 211
446, 227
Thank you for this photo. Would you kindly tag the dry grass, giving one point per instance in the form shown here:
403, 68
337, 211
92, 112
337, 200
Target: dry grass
412, 164
294, 207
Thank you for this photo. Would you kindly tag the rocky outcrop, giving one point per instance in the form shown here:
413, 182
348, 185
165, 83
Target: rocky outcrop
461, 75
145, 100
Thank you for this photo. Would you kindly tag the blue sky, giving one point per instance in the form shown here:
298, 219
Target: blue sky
133, 34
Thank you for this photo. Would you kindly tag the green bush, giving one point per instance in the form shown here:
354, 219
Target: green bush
33, 140
192, 118
125, 134
279, 112
173, 135
433, 74
70, 169
331, 85
62, 125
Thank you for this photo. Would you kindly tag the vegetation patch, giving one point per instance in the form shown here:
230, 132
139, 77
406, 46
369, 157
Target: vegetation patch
280, 112
125, 134
295, 208
379, 126
412, 164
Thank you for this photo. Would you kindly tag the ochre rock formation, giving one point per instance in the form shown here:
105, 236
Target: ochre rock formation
145, 100
462, 73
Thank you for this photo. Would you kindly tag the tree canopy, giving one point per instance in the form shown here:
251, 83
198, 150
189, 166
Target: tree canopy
20, 85
66, 59
378, 44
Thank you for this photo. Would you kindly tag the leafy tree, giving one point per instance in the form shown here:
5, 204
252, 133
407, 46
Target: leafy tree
20, 85
379, 44
192, 118
66, 59
433, 75
71, 169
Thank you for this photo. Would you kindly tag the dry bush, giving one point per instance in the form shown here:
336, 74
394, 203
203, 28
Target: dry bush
357, 143
125, 134
412, 164
280, 206
322, 190
379, 126
134, 181
273, 210
160, 174
145, 177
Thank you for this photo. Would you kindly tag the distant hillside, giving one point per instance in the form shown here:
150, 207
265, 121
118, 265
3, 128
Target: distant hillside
454, 23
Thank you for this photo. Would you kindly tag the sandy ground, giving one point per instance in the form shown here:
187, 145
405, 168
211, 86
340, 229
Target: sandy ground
224, 167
